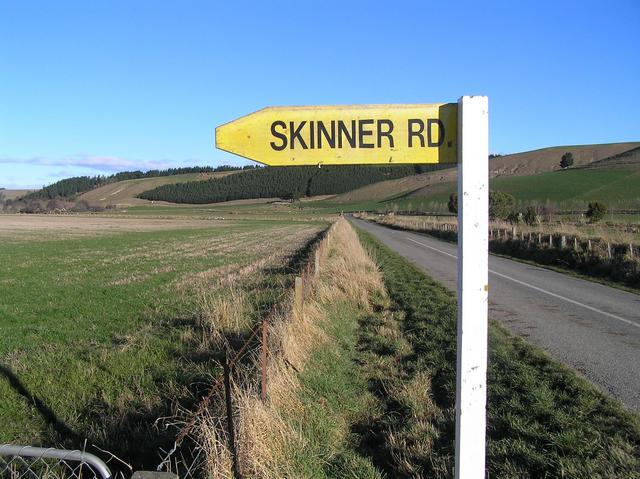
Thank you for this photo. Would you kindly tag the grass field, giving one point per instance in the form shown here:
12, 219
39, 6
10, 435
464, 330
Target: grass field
568, 190
614, 187
113, 322
101, 329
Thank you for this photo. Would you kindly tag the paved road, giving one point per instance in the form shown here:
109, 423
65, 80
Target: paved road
590, 327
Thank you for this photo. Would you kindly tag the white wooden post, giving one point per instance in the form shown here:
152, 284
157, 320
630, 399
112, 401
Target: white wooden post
473, 221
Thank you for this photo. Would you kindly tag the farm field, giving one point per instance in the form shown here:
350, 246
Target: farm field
617, 186
571, 189
102, 320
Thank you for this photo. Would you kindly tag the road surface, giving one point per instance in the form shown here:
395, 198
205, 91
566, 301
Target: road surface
590, 327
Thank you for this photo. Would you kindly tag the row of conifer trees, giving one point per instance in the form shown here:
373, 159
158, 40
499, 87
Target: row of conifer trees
281, 182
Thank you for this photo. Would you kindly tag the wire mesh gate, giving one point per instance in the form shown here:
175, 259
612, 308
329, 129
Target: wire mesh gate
26, 462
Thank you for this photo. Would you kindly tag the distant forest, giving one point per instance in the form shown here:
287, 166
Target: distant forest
70, 187
282, 182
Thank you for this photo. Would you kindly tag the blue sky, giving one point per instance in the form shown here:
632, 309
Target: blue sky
93, 87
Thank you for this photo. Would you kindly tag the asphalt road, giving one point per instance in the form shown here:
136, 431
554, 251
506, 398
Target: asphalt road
590, 327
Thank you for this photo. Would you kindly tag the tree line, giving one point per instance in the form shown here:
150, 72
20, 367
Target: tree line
69, 187
282, 182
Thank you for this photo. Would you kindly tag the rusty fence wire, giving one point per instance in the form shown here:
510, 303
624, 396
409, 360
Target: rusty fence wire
26, 462
188, 467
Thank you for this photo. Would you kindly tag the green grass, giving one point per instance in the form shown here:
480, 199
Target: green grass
569, 189
98, 332
612, 186
334, 395
543, 419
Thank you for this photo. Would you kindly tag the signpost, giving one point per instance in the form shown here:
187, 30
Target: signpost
401, 134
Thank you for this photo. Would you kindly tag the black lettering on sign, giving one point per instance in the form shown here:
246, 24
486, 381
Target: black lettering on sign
322, 131
279, 135
312, 136
411, 127
386, 132
362, 133
342, 130
295, 134
430, 123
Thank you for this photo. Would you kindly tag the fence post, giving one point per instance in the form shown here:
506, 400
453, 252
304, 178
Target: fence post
563, 242
588, 245
317, 263
609, 250
298, 299
231, 430
263, 359
630, 250
539, 238
551, 241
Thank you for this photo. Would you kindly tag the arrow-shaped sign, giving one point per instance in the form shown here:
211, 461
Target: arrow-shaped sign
344, 135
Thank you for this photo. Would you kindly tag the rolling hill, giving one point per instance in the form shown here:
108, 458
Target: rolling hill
13, 194
616, 187
124, 193
526, 163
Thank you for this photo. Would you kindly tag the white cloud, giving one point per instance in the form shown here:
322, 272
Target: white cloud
97, 163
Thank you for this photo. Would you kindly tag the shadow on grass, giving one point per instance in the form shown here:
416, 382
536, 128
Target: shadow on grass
61, 429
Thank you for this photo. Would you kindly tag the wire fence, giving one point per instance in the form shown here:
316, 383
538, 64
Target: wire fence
188, 463
26, 462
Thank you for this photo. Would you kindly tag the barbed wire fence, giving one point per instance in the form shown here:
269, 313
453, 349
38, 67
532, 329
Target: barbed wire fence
187, 462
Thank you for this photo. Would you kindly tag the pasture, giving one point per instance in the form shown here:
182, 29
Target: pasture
570, 189
102, 320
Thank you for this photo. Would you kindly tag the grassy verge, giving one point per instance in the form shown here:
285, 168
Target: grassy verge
333, 395
315, 391
543, 419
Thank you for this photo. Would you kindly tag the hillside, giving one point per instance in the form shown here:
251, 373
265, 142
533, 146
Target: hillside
282, 182
628, 159
9, 194
124, 193
616, 187
71, 188
517, 164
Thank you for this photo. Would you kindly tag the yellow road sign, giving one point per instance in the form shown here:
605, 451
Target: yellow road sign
345, 135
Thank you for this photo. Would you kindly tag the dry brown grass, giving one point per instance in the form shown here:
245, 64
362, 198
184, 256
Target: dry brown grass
598, 231
220, 312
265, 438
70, 226
218, 462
